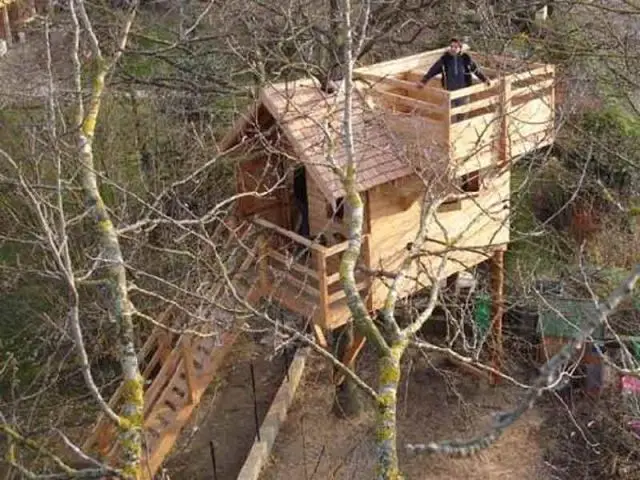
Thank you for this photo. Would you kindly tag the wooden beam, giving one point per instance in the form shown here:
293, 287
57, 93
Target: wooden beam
486, 102
287, 233
409, 102
531, 73
291, 264
283, 279
338, 248
497, 311
374, 80
463, 92
536, 87
260, 451
399, 65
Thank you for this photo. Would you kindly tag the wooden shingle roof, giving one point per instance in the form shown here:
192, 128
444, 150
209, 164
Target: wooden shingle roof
313, 121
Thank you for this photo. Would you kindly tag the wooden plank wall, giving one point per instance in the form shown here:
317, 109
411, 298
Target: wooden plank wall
474, 142
317, 207
260, 174
480, 221
531, 123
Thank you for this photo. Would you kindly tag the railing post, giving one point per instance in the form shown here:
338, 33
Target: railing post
323, 287
187, 360
505, 108
447, 128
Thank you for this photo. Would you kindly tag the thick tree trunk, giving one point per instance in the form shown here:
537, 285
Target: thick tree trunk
389, 379
131, 414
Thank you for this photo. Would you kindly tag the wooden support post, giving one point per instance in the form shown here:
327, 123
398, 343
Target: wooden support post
497, 311
6, 26
187, 361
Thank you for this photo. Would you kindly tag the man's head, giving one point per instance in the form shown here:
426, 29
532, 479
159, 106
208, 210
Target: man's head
455, 46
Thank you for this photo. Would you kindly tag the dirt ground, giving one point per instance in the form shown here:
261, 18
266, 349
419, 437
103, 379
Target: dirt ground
23, 69
226, 415
433, 405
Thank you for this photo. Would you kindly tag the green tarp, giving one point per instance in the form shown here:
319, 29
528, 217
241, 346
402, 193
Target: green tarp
482, 313
564, 317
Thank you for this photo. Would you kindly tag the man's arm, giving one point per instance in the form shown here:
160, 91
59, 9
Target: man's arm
473, 68
432, 72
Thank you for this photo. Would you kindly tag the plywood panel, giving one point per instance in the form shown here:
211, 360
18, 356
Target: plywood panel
262, 175
317, 207
471, 136
480, 222
530, 117
487, 156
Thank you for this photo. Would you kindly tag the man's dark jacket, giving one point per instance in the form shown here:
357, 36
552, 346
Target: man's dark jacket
456, 71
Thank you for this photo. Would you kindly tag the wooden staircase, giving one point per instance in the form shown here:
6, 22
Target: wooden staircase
177, 369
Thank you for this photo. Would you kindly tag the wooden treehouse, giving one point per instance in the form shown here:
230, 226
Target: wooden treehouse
292, 216
407, 139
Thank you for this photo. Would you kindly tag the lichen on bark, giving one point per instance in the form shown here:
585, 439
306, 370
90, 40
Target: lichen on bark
113, 271
387, 467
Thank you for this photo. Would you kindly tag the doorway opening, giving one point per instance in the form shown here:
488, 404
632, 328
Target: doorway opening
300, 202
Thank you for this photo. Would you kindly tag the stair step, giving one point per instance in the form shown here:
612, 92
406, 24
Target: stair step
179, 390
171, 405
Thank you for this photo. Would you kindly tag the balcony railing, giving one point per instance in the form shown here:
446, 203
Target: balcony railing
302, 274
494, 124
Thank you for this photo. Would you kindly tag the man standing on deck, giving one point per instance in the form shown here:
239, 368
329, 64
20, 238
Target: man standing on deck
457, 69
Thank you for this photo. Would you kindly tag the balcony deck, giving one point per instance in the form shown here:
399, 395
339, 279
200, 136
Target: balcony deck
499, 123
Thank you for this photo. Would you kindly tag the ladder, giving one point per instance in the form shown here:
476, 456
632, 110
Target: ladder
177, 369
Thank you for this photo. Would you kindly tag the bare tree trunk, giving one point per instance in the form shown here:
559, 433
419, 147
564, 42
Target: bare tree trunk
389, 356
113, 272
131, 415
386, 440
